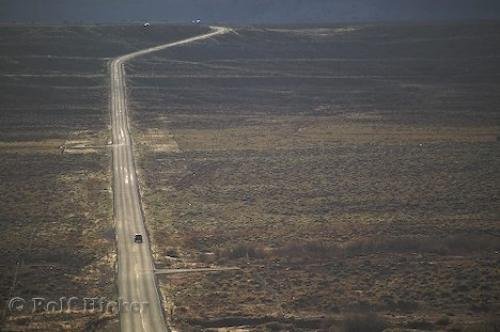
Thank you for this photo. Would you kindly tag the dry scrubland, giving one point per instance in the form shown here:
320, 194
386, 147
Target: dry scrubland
57, 234
351, 172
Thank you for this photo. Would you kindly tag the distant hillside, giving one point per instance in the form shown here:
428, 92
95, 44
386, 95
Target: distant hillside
244, 11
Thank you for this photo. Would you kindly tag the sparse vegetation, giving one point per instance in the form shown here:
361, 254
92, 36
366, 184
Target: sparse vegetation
363, 323
57, 236
344, 169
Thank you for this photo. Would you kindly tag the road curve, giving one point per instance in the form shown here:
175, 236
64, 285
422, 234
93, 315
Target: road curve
136, 278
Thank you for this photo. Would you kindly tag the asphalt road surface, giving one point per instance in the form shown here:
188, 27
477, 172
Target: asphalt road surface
142, 309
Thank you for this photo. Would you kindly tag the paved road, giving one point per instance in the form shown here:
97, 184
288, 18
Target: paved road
136, 278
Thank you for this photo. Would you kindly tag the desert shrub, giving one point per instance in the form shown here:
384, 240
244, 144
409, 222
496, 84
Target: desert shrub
443, 321
109, 234
463, 244
363, 323
196, 240
2, 315
452, 245
491, 325
172, 252
276, 326
419, 324
401, 305
329, 324
207, 257
400, 244
480, 307
242, 250
65, 256
309, 250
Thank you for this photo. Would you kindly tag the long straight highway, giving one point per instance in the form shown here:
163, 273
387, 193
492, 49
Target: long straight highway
136, 277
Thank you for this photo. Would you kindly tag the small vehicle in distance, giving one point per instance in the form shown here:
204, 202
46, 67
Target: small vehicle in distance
138, 238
